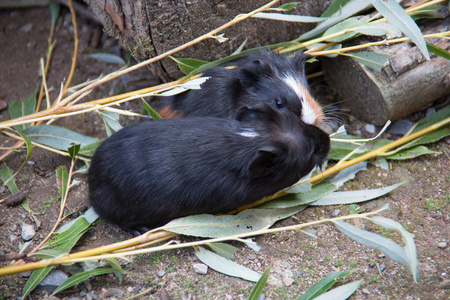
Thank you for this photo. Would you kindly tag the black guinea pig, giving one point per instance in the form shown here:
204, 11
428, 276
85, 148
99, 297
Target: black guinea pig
152, 172
262, 77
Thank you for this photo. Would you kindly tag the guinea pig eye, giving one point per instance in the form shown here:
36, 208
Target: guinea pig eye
279, 103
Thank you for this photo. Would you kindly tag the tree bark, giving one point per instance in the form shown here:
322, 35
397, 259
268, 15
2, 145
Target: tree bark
406, 84
148, 27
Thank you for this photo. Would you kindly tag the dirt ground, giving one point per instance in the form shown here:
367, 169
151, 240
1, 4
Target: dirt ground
421, 205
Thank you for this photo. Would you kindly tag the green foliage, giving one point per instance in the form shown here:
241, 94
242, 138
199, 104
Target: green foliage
17, 109
259, 286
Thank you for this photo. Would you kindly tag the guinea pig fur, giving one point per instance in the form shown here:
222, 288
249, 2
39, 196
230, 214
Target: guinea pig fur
152, 172
262, 77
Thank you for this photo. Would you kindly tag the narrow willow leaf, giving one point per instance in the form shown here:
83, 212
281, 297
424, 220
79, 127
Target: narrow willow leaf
379, 29
225, 225
17, 109
259, 286
347, 9
398, 17
111, 120
347, 174
75, 229
293, 200
36, 277
240, 48
47, 253
334, 8
225, 266
340, 150
329, 48
440, 115
223, 249
188, 65
388, 247
54, 11
355, 196
108, 58
29, 146
348, 24
194, 84
438, 51
373, 60
303, 187
89, 215
89, 149
287, 6
412, 153
288, 18
57, 137
342, 292
251, 244
80, 277
410, 246
63, 175
323, 285
151, 111
73, 150
6, 174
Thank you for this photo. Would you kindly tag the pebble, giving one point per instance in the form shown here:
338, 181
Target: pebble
401, 127
91, 296
161, 273
382, 267
200, 268
114, 292
381, 255
288, 281
335, 212
370, 128
262, 297
442, 245
3, 105
53, 280
366, 291
430, 111
28, 231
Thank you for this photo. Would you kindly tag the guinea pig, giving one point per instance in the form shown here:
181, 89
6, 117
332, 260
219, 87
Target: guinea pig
262, 77
149, 173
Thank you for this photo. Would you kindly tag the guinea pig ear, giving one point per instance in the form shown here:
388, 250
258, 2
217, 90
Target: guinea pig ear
300, 59
250, 75
262, 161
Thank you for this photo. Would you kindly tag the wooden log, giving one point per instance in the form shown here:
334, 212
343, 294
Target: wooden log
149, 28
407, 83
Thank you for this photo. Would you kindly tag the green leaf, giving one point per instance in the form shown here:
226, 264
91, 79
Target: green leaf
303, 187
348, 24
410, 247
73, 150
29, 146
54, 11
17, 109
323, 285
225, 266
347, 174
240, 48
89, 215
288, 18
412, 152
259, 286
80, 277
373, 60
89, 149
36, 277
188, 65
223, 249
379, 29
438, 51
151, 111
288, 6
398, 17
111, 120
355, 196
48, 253
6, 174
339, 12
108, 58
62, 174
440, 115
75, 230
294, 200
334, 8
57, 137
342, 292
387, 246
225, 225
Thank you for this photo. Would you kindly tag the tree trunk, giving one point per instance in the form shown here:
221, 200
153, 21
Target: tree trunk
406, 84
148, 27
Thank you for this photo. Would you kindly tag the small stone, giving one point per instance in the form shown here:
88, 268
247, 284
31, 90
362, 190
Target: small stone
28, 231
27, 27
113, 292
26, 274
401, 127
262, 297
3, 105
53, 280
442, 245
382, 267
288, 281
30, 163
366, 291
430, 111
381, 255
137, 289
298, 273
335, 212
200, 268
370, 128
161, 273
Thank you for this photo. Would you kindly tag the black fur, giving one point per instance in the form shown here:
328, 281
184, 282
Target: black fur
152, 172
256, 79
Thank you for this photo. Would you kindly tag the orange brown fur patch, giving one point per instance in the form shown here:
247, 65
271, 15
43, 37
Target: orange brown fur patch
168, 112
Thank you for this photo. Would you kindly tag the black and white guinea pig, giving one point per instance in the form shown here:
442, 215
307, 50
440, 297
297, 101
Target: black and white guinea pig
152, 172
262, 77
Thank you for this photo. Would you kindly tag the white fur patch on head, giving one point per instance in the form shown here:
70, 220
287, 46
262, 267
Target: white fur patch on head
248, 132
309, 115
